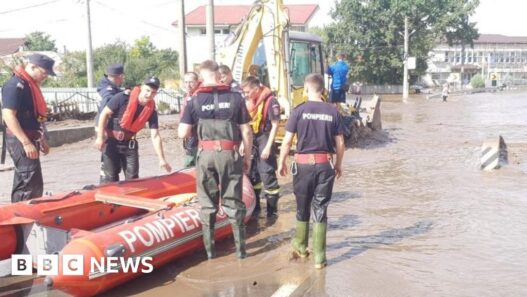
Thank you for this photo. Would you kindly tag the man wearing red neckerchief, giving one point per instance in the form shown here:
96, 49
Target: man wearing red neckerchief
24, 111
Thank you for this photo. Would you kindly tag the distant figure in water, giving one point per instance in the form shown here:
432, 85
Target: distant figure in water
445, 92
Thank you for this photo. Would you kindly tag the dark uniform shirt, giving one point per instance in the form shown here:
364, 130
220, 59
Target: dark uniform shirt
16, 95
106, 89
316, 125
202, 107
117, 105
273, 114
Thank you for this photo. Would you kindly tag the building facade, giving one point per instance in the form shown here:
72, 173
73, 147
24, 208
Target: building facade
226, 20
498, 58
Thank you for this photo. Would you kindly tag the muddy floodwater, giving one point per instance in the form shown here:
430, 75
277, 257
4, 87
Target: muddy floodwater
413, 215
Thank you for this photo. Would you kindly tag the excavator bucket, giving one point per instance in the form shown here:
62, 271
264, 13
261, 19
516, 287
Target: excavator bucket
372, 113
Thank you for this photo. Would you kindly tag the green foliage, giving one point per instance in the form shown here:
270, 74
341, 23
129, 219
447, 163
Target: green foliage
477, 81
140, 60
39, 41
371, 33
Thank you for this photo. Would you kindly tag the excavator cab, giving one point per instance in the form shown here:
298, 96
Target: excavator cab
305, 57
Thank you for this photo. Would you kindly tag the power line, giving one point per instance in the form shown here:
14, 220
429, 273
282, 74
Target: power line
41, 23
28, 7
140, 20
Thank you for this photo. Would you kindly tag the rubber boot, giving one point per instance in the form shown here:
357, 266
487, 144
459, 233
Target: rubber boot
299, 242
319, 244
272, 205
208, 241
238, 233
257, 208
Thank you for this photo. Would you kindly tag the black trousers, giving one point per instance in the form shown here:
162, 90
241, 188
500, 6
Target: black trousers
264, 171
313, 186
27, 180
117, 156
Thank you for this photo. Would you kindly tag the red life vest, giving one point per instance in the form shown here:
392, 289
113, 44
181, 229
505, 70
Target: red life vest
39, 104
127, 121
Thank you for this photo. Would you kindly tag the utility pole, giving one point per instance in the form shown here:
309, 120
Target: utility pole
182, 40
405, 62
89, 56
210, 29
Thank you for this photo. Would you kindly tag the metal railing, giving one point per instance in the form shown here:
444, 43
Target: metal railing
87, 100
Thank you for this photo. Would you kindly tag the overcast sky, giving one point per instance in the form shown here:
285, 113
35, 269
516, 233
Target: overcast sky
129, 19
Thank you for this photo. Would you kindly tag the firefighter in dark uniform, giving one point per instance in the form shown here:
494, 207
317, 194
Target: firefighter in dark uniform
223, 123
318, 128
108, 87
24, 112
126, 114
265, 114
190, 144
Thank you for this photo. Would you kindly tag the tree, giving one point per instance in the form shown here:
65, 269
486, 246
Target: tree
140, 60
39, 41
462, 32
370, 32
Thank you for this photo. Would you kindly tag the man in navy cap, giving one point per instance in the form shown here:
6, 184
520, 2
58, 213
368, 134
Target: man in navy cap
24, 112
126, 114
109, 85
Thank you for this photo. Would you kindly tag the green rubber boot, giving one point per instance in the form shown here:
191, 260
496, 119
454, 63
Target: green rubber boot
319, 244
238, 233
208, 241
299, 242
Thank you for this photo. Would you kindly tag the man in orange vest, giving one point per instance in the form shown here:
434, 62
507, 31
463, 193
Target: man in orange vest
24, 112
265, 113
126, 114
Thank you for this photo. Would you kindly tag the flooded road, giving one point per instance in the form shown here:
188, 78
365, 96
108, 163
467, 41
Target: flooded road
413, 215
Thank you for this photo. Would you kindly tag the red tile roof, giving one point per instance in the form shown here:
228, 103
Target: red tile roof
233, 14
498, 38
10, 46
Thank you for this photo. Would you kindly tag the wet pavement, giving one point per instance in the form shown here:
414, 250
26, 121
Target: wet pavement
413, 214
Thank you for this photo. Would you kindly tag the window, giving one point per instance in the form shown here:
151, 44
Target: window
446, 56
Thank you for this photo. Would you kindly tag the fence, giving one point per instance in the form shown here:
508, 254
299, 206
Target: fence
382, 89
86, 100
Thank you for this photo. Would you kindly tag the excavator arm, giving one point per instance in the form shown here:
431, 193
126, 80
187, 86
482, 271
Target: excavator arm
267, 24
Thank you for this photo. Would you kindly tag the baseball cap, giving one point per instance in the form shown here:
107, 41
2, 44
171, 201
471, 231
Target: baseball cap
152, 81
115, 69
43, 61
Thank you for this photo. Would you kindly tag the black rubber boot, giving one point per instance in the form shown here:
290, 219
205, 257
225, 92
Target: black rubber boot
257, 208
272, 205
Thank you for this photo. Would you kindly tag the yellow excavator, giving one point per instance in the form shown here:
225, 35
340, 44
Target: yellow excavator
263, 46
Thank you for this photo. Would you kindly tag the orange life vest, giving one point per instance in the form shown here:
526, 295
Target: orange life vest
258, 109
127, 121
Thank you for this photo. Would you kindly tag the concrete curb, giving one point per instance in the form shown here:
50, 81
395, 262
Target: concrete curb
69, 135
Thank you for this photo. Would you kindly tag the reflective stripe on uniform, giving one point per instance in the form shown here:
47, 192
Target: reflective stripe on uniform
258, 186
272, 191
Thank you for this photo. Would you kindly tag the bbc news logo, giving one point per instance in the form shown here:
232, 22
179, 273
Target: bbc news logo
74, 265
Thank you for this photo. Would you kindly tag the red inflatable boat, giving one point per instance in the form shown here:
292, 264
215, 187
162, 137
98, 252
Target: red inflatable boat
119, 230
